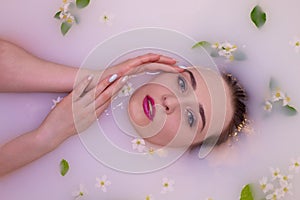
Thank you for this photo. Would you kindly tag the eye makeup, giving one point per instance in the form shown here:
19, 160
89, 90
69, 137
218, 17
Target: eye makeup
190, 117
181, 83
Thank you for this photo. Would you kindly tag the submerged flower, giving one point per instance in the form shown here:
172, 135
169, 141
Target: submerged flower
268, 106
264, 185
286, 189
102, 183
296, 44
167, 185
295, 165
149, 197
275, 173
277, 194
284, 179
56, 101
78, 194
138, 144
106, 18
127, 90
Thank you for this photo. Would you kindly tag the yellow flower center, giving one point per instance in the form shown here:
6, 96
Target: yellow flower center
102, 183
80, 193
65, 1
70, 20
275, 173
297, 164
166, 185
277, 94
147, 197
288, 99
285, 189
138, 142
105, 18
263, 186
274, 197
285, 178
151, 151
297, 44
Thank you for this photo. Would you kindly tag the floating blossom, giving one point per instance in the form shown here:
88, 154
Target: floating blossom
286, 189
138, 144
278, 95
80, 193
277, 194
226, 49
284, 179
127, 90
275, 173
215, 45
102, 183
56, 101
149, 197
167, 185
295, 165
268, 106
106, 18
264, 185
296, 44
286, 100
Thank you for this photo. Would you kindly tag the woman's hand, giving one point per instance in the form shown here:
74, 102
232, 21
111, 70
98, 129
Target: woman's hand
148, 62
78, 110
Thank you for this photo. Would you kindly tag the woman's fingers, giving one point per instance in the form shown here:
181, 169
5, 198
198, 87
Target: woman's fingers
80, 88
110, 92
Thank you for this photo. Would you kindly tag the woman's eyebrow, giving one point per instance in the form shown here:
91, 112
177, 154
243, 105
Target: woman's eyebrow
193, 80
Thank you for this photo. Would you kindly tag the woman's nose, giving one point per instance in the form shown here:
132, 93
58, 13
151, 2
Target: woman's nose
170, 103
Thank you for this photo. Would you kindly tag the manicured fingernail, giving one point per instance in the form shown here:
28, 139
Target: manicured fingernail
124, 79
113, 78
182, 66
90, 77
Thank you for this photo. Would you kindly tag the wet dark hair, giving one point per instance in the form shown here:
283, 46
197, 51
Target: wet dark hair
239, 118
239, 98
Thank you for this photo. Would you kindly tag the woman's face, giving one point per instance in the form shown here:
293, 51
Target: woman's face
174, 107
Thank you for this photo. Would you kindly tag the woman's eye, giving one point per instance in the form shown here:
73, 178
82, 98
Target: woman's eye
181, 83
190, 118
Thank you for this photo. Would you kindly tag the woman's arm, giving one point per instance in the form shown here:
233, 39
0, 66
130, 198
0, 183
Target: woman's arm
20, 71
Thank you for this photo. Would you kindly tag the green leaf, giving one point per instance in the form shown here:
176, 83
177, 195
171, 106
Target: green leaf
64, 167
202, 44
258, 16
290, 110
246, 193
57, 15
82, 3
65, 27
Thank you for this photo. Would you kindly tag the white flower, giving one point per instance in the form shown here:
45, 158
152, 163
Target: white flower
226, 46
56, 101
295, 165
138, 144
296, 44
149, 197
81, 193
127, 90
286, 189
284, 179
286, 100
102, 183
278, 95
215, 45
275, 173
65, 7
264, 185
167, 185
268, 106
277, 194
106, 18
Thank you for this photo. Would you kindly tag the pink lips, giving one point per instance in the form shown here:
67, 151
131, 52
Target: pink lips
149, 107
